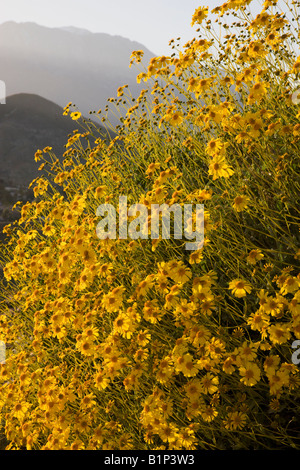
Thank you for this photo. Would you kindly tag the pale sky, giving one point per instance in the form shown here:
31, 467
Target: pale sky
153, 23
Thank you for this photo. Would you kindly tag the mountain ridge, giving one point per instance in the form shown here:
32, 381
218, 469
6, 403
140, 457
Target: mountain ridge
30, 122
65, 66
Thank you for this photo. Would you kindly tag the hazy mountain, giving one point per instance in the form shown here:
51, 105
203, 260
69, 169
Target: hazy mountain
29, 122
74, 29
67, 64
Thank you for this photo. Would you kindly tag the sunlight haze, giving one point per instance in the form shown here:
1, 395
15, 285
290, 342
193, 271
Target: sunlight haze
152, 23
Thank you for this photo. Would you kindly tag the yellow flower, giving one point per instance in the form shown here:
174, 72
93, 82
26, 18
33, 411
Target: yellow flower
209, 383
257, 92
75, 115
254, 256
258, 320
193, 389
186, 365
59, 331
193, 83
235, 420
277, 380
144, 286
101, 381
165, 370
228, 365
279, 333
273, 306
196, 257
207, 306
37, 155
240, 288
86, 346
256, 49
271, 363
240, 203
199, 15
218, 168
245, 353
143, 337
294, 305
123, 325
151, 311
20, 409
250, 373
167, 432
209, 413
136, 56
181, 273
201, 45
215, 147
48, 230
77, 445
141, 76
113, 300
175, 118
291, 284
200, 195
84, 280
90, 332
203, 85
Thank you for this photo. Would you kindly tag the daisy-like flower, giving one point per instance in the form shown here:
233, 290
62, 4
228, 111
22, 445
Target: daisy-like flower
271, 364
246, 353
75, 115
279, 333
187, 439
207, 306
113, 300
101, 380
199, 15
257, 92
209, 413
240, 288
277, 380
168, 432
218, 168
294, 305
274, 305
37, 155
291, 284
123, 325
193, 83
209, 383
228, 365
256, 49
86, 347
240, 203
136, 56
193, 389
20, 409
215, 146
151, 311
77, 445
176, 118
254, 256
250, 373
258, 320
235, 420
186, 365
181, 273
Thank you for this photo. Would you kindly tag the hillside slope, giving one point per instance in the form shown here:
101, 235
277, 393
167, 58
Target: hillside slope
29, 122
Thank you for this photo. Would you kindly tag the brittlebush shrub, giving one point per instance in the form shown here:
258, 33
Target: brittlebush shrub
140, 343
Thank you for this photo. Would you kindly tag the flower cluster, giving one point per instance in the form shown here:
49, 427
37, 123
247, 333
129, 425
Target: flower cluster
140, 344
